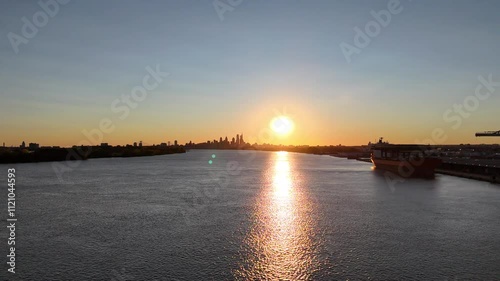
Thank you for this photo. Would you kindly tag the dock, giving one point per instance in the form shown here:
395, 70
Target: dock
477, 169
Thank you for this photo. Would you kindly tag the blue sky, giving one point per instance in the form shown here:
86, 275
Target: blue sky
232, 76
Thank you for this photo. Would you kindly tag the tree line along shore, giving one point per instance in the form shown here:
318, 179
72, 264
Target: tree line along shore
18, 155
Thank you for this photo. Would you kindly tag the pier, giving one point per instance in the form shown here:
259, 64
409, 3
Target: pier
479, 169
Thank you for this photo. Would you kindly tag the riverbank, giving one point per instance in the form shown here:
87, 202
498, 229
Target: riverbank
483, 170
488, 178
11, 156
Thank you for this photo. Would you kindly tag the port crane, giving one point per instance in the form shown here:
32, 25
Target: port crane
488, 134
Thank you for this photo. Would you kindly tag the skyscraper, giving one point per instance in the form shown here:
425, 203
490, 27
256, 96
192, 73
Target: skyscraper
237, 139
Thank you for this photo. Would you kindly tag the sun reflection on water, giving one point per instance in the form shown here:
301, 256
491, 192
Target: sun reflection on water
282, 180
279, 246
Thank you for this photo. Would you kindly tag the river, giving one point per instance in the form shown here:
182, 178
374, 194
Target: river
247, 215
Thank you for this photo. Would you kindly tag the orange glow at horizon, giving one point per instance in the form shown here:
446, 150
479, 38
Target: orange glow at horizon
289, 118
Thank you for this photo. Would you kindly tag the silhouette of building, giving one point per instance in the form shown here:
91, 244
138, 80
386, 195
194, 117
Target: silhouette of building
163, 144
104, 144
237, 139
135, 144
241, 140
226, 141
233, 141
23, 145
140, 144
176, 143
34, 146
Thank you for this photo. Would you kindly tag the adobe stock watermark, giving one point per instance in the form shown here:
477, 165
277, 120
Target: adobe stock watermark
223, 6
456, 114
30, 28
363, 38
121, 107
483, 91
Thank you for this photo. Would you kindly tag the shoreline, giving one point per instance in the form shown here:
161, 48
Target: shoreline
472, 176
479, 177
84, 153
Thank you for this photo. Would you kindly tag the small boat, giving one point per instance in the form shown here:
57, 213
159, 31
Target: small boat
405, 160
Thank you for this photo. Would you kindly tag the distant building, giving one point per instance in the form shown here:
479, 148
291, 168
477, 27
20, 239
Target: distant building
104, 144
34, 146
23, 145
140, 144
241, 139
135, 144
237, 139
175, 143
163, 144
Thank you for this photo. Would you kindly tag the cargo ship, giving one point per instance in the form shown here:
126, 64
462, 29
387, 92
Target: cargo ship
405, 160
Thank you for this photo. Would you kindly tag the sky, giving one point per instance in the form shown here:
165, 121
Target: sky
235, 65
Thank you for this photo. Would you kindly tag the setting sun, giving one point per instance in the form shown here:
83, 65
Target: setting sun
282, 125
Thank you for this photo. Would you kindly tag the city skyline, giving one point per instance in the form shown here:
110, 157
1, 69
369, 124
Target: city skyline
430, 73
237, 140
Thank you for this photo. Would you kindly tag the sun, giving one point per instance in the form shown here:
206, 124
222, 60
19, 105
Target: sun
282, 125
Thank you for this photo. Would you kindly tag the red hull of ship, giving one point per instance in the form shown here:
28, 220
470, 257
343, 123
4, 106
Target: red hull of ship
423, 168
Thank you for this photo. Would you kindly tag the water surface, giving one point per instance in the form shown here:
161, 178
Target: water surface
249, 216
